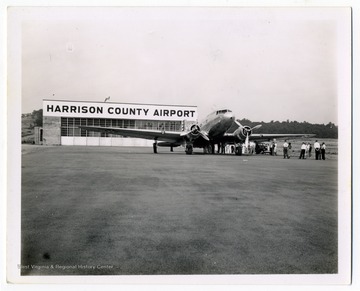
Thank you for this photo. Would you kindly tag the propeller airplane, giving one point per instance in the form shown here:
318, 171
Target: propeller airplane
213, 130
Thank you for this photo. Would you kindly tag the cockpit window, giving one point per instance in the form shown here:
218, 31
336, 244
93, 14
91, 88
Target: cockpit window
222, 111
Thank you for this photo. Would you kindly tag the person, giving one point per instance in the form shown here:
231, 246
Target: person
289, 152
252, 147
323, 147
223, 148
257, 147
275, 148
238, 149
227, 149
307, 150
303, 149
286, 150
310, 148
317, 150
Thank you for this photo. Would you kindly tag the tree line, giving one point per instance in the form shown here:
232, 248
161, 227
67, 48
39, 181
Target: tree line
36, 118
329, 130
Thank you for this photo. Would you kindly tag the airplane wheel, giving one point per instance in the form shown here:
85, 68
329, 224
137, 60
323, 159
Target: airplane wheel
155, 147
189, 149
210, 149
207, 149
238, 151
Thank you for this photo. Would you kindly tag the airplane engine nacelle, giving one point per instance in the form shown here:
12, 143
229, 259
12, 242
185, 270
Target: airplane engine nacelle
246, 131
243, 131
195, 130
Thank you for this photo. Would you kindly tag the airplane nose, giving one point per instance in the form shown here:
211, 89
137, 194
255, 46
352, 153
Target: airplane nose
229, 115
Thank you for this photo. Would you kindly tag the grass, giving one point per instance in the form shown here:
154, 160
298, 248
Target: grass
172, 213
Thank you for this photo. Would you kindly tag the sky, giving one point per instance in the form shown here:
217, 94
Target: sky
263, 64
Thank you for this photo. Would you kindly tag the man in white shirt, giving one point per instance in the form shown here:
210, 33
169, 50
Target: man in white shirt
286, 150
303, 149
317, 150
323, 147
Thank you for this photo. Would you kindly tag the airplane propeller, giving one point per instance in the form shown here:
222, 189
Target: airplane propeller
195, 131
246, 131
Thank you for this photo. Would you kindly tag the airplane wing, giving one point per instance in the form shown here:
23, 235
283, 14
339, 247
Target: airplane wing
267, 136
232, 137
169, 136
239, 132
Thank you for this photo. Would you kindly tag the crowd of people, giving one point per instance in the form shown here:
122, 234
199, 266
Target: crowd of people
306, 150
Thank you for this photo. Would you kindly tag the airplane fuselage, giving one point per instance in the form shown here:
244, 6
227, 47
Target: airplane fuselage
217, 123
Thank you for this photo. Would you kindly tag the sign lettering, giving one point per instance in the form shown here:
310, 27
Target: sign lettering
118, 110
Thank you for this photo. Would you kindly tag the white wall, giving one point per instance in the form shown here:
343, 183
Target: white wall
105, 141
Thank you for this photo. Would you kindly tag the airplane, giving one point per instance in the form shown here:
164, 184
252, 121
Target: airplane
213, 130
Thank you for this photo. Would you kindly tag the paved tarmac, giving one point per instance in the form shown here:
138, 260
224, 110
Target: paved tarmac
117, 211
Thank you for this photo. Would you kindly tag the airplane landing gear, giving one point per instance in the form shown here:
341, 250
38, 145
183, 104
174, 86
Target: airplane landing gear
189, 149
238, 150
155, 147
209, 149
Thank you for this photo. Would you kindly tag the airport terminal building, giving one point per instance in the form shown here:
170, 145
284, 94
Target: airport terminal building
61, 121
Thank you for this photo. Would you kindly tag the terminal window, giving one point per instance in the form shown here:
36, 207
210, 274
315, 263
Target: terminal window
70, 126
